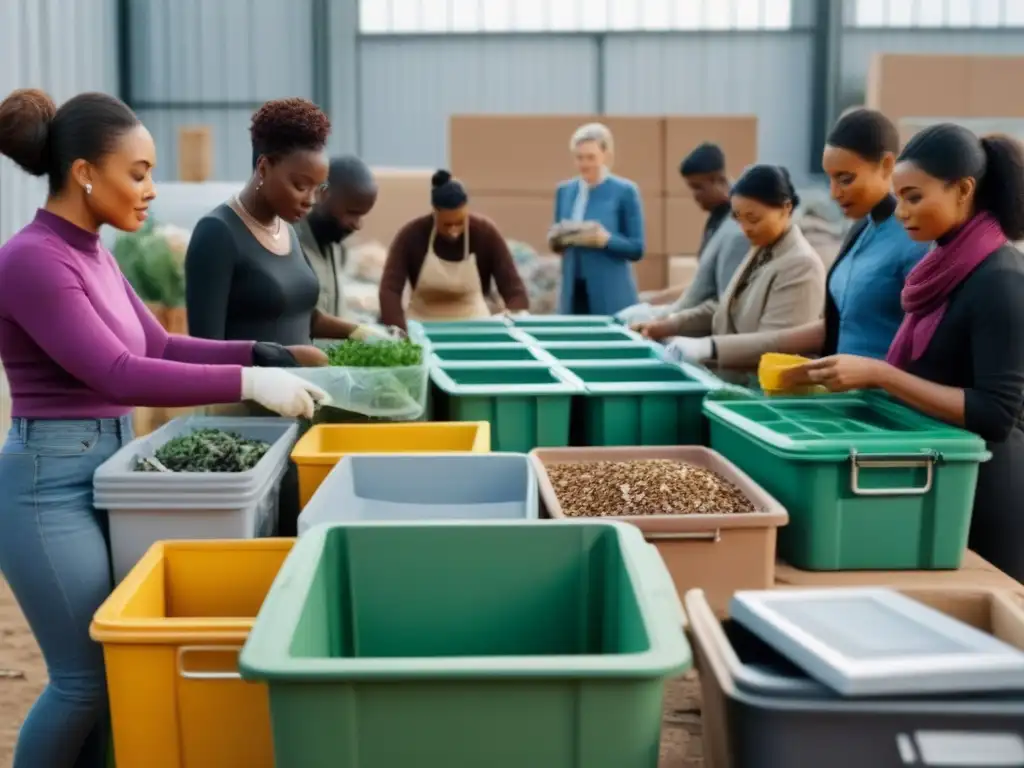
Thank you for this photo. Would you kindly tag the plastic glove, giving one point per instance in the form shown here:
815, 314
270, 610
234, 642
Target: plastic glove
684, 348
371, 334
638, 313
281, 392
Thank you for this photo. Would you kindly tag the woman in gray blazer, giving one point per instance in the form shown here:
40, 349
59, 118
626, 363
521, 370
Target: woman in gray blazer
780, 283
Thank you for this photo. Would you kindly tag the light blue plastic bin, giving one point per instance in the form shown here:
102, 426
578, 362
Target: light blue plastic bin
422, 487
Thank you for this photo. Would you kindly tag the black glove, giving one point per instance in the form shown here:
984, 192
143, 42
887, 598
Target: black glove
267, 355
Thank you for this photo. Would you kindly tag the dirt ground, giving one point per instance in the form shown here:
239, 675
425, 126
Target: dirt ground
22, 676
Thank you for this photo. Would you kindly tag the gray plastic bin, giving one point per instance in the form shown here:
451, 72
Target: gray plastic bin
138, 522
118, 472
761, 711
383, 487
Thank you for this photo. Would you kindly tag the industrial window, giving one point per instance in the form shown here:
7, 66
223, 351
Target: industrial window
939, 13
483, 16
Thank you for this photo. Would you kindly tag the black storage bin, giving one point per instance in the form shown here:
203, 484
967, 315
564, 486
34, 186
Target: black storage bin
760, 711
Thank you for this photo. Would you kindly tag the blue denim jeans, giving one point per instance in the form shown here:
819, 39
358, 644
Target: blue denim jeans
55, 556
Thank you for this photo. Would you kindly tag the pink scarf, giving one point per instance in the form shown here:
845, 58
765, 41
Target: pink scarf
926, 292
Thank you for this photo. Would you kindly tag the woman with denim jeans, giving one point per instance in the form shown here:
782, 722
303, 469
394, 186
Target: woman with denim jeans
80, 349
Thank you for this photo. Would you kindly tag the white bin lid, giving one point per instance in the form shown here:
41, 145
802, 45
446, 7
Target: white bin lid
877, 642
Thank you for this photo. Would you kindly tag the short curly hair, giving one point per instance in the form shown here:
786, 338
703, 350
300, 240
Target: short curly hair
282, 126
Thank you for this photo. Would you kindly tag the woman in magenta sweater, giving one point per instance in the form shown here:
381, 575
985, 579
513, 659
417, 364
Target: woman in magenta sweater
80, 349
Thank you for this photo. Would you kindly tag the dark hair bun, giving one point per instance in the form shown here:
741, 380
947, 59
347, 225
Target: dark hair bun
25, 119
440, 178
768, 184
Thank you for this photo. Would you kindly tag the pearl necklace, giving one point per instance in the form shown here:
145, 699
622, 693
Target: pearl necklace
275, 233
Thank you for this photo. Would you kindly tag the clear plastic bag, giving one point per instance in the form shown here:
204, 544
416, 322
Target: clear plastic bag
395, 394
398, 394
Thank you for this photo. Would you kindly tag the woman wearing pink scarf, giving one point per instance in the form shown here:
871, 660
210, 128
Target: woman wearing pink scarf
959, 354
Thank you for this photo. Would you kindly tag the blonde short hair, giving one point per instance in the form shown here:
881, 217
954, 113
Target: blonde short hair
592, 132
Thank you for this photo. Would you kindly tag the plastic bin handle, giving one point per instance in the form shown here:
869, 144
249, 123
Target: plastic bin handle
187, 674
714, 536
961, 749
859, 461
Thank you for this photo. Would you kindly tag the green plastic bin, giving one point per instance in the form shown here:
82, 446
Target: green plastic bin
607, 334
507, 645
651, 402
528, 406
486, 354
625, 353
869, 484
490, 323
562, 321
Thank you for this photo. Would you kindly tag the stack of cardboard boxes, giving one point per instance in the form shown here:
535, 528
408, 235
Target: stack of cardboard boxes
512, 164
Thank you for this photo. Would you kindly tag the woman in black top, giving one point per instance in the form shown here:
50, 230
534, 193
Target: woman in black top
245, 271
959, 354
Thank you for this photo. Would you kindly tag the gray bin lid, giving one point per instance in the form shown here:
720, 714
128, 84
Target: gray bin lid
877, 642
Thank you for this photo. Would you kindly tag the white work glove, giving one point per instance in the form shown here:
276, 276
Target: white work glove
281, 391
638, 313
371, 334
684, 348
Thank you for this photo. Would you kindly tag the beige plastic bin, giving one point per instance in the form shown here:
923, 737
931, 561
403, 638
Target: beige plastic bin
717, 553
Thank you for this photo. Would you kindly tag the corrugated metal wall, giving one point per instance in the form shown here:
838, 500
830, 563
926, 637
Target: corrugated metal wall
63, 48
409, 87
213, 63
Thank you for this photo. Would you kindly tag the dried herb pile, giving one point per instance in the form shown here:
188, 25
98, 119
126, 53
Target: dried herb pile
352, 353
643, 487
207, 450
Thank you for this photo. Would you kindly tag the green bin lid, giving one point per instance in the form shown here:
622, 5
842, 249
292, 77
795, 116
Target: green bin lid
836, 427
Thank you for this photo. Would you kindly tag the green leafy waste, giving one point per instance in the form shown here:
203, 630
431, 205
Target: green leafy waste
400, 353
206, 450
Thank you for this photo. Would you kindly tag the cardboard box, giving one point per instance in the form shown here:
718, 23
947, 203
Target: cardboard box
919, 85
195, 152
504, 155
735, 134
681, 270
651, 272
403, 195
684, 225
996, 86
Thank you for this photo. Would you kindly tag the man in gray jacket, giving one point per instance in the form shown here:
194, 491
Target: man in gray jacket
723, 245
350, 195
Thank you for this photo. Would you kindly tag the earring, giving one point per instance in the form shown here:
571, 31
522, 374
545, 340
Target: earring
259, 184
88, 189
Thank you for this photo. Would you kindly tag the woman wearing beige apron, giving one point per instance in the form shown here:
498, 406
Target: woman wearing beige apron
449, 259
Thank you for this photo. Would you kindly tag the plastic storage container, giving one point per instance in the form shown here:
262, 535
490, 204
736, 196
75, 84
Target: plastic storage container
323, 446
146, 507
171, 634
759, 711
462, 644
487, 354
868, 483
491, 486
649, 403
527, 406
721, 553
606, 334
624, 353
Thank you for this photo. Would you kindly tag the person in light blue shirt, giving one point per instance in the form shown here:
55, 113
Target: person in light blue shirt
598, 229
862, 303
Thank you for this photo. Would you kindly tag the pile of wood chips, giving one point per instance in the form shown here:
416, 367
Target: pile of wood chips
644, 487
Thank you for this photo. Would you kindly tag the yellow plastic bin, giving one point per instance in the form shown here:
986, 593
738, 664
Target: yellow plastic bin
324, 445
171, 633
